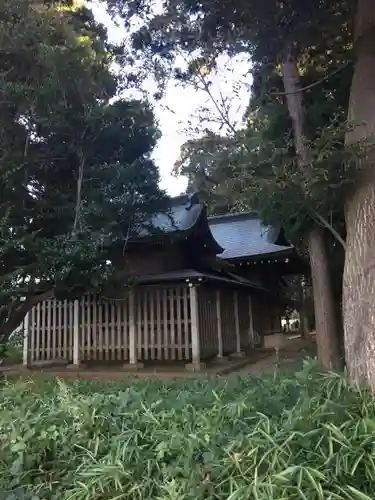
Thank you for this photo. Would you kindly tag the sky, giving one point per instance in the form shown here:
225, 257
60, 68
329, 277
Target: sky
180, 105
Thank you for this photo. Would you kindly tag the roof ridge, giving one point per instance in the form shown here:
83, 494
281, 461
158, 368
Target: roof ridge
234, 215
185, 199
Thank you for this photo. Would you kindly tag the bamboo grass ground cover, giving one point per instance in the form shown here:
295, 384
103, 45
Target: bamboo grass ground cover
297, 436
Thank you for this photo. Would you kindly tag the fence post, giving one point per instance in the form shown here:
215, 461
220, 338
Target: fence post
26, 323
196, 364
76, 333
133, 358
238, 352
220, 349
251, 324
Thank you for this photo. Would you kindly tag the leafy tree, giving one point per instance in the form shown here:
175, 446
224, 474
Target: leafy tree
75, 171
211, 165
287, 42
256, 168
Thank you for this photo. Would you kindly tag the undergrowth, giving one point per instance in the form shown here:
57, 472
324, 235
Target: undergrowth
303, 436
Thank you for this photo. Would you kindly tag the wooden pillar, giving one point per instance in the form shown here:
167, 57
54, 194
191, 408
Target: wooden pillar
237, 325
133, 335
75, 325
37, 332
26, 324
303, 317
195, 364
132, 331
195, 340
219, 327
251, 324
42, 331
76, 333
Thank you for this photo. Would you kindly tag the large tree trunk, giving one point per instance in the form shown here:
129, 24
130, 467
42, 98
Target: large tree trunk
359, 269
326, 325
325, 314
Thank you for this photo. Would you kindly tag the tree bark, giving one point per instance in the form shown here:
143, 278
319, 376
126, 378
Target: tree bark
303, 316
326, 328
16, 318
326, 325
304, 322
359, 268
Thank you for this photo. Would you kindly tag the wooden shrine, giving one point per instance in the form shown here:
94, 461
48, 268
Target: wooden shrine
202, 290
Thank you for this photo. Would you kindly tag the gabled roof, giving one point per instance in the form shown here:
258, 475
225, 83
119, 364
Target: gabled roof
243, 235
183, 215
186, 216
239, 235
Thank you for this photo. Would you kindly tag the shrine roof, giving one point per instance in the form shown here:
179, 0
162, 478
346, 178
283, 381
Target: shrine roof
243, 235
235, 236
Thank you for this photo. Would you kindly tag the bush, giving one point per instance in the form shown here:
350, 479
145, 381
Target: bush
306, 436
11, 350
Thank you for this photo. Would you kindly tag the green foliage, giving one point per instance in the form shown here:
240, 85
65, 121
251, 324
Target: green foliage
75, 168
305, 436
213, 166
256, 167
11, 351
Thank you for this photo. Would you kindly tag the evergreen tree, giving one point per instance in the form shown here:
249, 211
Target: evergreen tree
75, 169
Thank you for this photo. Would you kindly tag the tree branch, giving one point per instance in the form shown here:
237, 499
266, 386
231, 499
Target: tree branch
329, 226
314, 84
16, 318
78, 199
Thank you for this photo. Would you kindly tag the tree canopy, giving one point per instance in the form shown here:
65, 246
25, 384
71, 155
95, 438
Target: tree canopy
75, 173
320, 37
289, 162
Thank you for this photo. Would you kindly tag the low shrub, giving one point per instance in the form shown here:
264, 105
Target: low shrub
11, 350
307, 436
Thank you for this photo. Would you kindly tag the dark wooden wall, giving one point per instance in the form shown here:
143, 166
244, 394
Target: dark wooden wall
266, 315
207, 321
227, 321
154, 260
244, 318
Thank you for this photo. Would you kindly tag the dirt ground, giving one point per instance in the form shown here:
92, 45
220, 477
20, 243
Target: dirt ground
295, 351
262, 362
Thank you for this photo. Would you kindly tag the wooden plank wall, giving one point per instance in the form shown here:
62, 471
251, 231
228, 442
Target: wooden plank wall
207, 322
266, 316
227, 321
244, 319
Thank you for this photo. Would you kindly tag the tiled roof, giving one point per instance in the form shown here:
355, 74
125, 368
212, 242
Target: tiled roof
242, 235
182, 216
188, 274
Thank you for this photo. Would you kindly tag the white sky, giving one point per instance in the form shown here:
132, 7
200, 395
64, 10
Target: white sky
180, 106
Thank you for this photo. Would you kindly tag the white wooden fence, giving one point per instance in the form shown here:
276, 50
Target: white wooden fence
170, 323
150, 324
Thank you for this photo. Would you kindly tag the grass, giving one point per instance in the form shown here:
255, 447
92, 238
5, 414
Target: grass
289, 436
